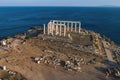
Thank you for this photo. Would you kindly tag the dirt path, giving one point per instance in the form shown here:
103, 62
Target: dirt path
108, 52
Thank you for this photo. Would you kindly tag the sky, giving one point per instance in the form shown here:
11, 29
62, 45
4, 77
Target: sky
59, 2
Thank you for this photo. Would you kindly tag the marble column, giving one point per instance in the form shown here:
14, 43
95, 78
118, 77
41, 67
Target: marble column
67, 26
75, 27
71, 26
44, 29
64, 30
79, 27
52, 28
57, 28
48, 29
60, 29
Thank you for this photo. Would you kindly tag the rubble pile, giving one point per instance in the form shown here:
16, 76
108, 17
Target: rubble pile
7, 74
68, 62
12, 43
68, 65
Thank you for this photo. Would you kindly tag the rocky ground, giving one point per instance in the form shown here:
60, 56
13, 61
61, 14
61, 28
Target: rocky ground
55, 58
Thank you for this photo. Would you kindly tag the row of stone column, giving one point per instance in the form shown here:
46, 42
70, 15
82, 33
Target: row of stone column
75, 26
55, 29
58, 27
67, 23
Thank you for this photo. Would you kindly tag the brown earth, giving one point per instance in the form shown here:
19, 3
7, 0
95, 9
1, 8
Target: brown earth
21, 62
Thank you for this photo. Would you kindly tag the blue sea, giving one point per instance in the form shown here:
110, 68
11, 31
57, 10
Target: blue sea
104, 20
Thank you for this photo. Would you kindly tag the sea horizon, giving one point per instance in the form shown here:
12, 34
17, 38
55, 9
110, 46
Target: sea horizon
104, 6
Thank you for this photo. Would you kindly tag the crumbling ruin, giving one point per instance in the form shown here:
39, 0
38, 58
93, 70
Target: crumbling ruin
58, 27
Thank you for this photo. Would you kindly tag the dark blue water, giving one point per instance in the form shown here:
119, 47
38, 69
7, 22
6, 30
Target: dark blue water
106, 21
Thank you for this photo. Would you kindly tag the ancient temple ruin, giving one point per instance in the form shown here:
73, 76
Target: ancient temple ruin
59, 27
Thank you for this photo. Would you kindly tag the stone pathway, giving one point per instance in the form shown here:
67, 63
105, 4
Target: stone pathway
108, 52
